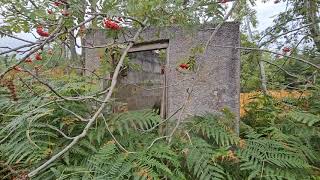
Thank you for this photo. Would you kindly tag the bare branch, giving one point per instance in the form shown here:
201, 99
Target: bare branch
188, 98
276, 65
272, 52
16, 49
73, 113
275, 37
113, 137
59, 131
14, 37
155, 140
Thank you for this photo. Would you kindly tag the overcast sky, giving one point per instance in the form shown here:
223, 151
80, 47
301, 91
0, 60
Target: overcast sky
265, 13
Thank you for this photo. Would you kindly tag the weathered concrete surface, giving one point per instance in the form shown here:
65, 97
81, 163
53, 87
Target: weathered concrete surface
216, 85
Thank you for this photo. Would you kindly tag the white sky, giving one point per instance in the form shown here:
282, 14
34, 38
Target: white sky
265, 13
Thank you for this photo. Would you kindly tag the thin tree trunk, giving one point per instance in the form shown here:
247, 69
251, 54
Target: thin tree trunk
82, 39
312, 18
6, 61
72, 45
263, 77
93, 9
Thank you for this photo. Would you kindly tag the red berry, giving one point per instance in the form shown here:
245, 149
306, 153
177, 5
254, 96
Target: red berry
44, 34
65, 12
41, 32
38, 57
286, 49
17, 68
50, 11
184, 66
28, 60
39, 28
57, 3
107, 23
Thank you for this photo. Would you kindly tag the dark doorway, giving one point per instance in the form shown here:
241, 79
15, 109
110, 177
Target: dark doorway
142, 82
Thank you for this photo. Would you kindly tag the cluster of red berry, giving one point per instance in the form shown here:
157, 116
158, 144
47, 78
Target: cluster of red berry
60, 3
224, 1
17, 68
110, 24
184, 66
41, 32
286, 49
37, 57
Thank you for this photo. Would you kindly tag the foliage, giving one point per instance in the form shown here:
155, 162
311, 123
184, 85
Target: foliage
272, 143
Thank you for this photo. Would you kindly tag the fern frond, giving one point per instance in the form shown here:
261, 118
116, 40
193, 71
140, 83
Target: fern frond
304, 117
210, 127
139, 120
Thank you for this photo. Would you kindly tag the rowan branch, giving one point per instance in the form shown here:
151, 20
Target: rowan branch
279, 67
51, 38
272, 52
14, 37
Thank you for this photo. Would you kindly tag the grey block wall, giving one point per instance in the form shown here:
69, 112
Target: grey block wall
215, 86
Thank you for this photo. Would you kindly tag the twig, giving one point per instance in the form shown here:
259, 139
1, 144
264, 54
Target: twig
276, 65
14, 37
86, 69
152, 128
272, 52
34, 4
275, 37
180, 115
16, 49
73, 113
59, 131
155, 140
186, 132
113, 137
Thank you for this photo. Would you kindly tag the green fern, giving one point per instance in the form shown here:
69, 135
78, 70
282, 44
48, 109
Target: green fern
304, 117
